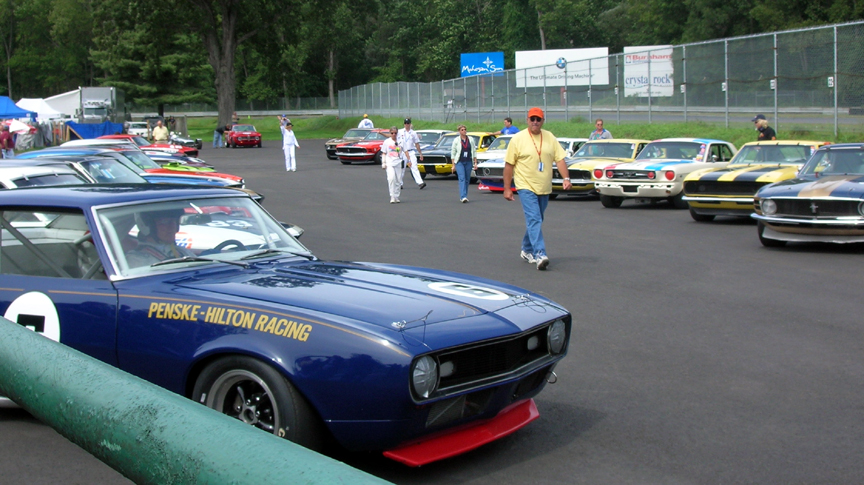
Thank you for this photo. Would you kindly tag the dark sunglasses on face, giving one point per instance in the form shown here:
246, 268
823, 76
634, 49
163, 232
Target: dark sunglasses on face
392, 132
535, 119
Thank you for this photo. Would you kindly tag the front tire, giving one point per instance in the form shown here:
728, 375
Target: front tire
768, 243
611, 202
678, 201
701, 217
259, 395
553, 196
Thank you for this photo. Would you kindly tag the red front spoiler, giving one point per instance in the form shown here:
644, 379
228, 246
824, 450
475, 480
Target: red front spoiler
452, 443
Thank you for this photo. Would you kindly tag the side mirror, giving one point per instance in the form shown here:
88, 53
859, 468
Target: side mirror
293, 230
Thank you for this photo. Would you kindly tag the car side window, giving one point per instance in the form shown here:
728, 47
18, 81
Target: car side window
36, 242
725, 153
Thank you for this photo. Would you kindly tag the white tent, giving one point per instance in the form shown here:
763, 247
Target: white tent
66, 103
43, 111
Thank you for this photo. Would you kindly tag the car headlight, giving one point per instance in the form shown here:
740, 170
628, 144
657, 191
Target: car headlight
769, 207
557, 335
424, 376
861, 208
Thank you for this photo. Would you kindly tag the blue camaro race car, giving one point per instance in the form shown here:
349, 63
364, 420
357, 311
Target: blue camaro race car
200, 291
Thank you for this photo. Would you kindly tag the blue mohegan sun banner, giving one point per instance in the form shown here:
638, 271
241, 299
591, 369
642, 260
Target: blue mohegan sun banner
482, 63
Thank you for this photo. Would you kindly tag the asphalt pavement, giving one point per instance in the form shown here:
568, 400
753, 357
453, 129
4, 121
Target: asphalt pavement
697, 355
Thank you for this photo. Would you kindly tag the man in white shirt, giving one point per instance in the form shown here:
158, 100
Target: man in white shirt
366, 122
409, 142
289, 142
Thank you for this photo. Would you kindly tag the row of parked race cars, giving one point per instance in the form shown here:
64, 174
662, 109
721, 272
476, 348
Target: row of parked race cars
197, 289
797, 190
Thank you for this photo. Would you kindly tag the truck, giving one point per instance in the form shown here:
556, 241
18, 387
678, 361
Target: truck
97, 104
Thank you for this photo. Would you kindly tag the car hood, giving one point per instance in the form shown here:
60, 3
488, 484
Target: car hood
375, 294
592, 162
746, 173
844, 186
335, 141
246, 133
652, 164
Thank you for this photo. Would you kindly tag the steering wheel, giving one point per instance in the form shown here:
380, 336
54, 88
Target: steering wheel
228, 243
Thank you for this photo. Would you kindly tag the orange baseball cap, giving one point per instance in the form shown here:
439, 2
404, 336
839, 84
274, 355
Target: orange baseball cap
535, 112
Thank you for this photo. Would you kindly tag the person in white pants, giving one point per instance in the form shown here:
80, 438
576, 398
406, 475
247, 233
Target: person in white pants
409, 142
289, 142
391, 161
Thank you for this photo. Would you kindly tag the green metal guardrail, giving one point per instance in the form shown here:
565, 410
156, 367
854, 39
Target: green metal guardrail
149, 434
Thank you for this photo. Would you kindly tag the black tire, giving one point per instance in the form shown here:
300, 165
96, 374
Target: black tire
553, 196
678, 201
259, 395
258, 145
701, 217
611, 202
423, 175
768, 243
377, 159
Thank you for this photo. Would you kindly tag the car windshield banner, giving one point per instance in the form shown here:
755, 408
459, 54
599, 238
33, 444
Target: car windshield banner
648, 67
482, 63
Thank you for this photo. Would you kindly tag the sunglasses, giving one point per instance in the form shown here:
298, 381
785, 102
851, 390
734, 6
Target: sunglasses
535, 119
392, 132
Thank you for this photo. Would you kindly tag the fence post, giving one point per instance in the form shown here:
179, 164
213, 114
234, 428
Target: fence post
836, 81
726, 79
684, 75
776, 84
148, 434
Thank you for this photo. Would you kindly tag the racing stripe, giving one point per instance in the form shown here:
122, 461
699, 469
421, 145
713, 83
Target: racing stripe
823, 187
750, 174
664, 165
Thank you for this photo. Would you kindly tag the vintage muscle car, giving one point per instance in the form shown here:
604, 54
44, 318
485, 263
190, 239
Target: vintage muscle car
428, 138
588, 159
436, 160
367, 150
490, 165
823, 203
419, 363
242, 136
571, 145
184, 163
659, 170
15, 176
143, 165
350, 136
729, 191
142, 143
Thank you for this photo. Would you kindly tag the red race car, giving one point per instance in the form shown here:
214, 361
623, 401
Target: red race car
365, 150
162, 147
242, 136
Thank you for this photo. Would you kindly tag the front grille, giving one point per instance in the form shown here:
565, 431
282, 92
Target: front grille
490, 172
631, 174
459, 407
354, 150
497, 358
573, 174
816, 208
713, 187
434, 160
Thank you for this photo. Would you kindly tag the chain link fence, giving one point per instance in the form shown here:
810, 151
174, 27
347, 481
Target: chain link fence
807, 78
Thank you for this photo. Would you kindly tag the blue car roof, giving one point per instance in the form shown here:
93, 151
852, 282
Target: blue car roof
85, 196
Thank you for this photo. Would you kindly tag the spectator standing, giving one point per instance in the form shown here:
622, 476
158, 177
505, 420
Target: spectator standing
599, 132
160, 133
366, 122
7, 143
391, 161
289, 143
463, 154
766, 133
217, 136
409, 143
508, 129
528, 162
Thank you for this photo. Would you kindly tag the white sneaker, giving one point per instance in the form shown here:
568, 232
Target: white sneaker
397, 201
529, 258
392, 200
463, 200
542, 262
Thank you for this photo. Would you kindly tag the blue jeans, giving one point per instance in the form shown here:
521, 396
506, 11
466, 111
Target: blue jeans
217, 139
534, 206
463, 171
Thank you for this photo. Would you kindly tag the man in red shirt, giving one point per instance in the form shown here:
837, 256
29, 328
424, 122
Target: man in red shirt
7, 143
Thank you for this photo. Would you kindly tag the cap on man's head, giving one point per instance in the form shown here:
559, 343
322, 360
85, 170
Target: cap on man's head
535, 112
758, 117
407, 121
365, 115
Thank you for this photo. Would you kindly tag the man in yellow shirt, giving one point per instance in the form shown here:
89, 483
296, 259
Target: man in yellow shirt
160, 133
528, 163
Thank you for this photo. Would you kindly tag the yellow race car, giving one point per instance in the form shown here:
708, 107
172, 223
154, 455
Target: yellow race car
729, 191
594, 155
436, 160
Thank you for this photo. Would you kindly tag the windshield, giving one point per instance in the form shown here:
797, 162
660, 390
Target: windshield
838, 161
446, 141
671, 150
140, 141
138, 125
140, 159
242, 128
355, 133
376, 135
194, 232
428, 138
110, 171
782, 154
611, 150
500, 144
50, 179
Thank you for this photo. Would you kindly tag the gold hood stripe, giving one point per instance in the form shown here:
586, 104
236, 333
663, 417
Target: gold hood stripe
823, 187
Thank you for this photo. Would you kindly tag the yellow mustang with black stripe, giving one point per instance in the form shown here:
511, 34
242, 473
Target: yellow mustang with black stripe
729, 191
436, 160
